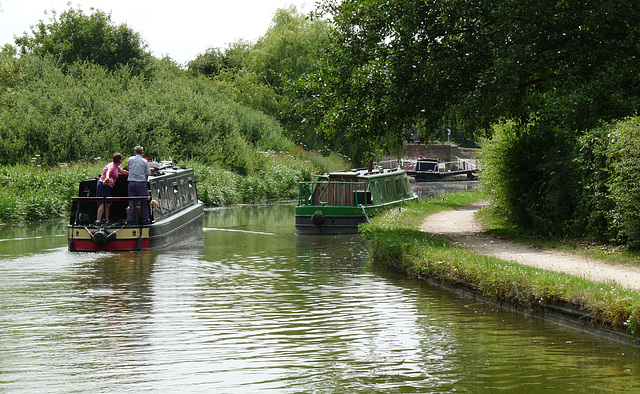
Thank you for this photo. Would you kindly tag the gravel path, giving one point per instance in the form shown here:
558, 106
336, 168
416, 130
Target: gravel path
460, 227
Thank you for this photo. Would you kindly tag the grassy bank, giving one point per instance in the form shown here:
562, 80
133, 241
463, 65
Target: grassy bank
32, 193
398, 242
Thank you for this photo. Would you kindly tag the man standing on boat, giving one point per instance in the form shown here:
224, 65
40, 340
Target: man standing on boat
138, 176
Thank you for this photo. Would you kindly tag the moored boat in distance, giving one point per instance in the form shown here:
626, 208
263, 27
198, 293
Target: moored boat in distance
174, 209
425, 169
336, 203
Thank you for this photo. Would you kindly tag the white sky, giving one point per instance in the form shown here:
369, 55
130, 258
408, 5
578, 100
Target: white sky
180, 29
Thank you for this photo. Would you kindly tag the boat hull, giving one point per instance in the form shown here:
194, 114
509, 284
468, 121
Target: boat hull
337, 219
331, 225
426, 175
127, 238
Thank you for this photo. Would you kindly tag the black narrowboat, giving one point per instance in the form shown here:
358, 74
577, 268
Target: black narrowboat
174, 209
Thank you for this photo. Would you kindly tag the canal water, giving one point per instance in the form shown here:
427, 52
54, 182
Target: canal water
247, 306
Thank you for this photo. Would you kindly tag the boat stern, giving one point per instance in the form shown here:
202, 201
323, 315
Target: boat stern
108, 238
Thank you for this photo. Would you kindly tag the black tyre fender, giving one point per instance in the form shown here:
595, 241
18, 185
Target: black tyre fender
317, 218
100, 237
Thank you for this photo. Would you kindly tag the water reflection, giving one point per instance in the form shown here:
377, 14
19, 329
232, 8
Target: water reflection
248, 306
21, 239
335, 253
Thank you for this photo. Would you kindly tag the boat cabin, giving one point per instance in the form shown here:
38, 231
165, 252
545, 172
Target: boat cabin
421, 165
356, 187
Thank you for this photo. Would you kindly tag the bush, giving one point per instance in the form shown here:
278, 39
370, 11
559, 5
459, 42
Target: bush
529, 170
32, 193
546, 183
594, 172
609, 163
88, 111
624, 156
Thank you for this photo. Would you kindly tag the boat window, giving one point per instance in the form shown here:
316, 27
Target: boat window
398, 187
190, 190
389, 187
183, 189
176, 194
165, 203
407, 186
379, 190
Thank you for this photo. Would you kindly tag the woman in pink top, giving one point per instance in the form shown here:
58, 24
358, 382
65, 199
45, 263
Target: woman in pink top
108, 178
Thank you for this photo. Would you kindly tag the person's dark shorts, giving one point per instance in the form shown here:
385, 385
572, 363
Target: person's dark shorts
103, 189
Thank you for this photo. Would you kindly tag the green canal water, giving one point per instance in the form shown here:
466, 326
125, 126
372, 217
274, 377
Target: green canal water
247, 306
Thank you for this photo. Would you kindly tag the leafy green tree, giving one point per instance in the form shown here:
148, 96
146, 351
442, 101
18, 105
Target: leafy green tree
261, 74
391, 63
289, 48
75, 36
9, 75
209, 63
215, 61
246, 88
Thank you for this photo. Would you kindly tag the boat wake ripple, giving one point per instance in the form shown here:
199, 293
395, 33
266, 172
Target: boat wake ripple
236, 231
29, 238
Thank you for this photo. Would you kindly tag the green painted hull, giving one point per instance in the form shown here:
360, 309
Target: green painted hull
337, 219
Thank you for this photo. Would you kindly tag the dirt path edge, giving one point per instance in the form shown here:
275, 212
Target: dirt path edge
461, 228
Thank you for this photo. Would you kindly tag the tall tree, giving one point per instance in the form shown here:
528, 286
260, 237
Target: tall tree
259, 74
290, 47
392, 62
75, 36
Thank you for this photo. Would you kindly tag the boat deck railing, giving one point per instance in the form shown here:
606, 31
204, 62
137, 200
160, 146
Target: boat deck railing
78, 202
337, 193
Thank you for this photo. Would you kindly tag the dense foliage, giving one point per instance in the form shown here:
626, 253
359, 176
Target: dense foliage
30, 193
609, 163
531, 176
88, 111
78, 37
391, 63
560, 184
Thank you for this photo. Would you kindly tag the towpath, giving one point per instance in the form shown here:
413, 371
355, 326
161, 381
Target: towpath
460, 227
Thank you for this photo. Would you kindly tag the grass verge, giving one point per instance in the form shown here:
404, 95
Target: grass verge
397, 242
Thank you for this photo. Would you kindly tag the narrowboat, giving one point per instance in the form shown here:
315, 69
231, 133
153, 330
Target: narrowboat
336, 203
425, 169
174, 210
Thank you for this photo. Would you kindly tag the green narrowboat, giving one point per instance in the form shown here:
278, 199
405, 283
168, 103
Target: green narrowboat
336, 203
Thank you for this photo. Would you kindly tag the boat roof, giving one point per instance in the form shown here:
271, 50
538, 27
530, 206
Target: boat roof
160, 171
365, 173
